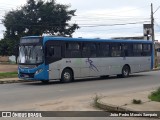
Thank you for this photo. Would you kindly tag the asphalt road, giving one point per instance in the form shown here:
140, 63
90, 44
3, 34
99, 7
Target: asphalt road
12, 95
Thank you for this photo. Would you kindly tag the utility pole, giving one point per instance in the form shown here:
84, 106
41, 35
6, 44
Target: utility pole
153, 39
152, 22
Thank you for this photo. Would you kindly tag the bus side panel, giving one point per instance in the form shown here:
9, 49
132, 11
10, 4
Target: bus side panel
90, 67
56, 68
84, 68
93, 66
138, 64
73, 63
146, 64
110, 66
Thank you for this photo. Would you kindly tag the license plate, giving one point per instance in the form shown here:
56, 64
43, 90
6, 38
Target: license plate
26, 76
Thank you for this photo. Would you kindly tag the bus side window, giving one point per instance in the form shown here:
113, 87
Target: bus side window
146, 49
85, 50
125, 50
137, 49
53, 51
104, 50
93, 50
116, 49
89, 50
50, 51
72, 50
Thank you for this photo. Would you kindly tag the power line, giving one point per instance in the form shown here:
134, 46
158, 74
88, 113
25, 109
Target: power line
90, 25
109, 19
106, 16
120, 11
113, 29
157, 25
102, 25
156, 10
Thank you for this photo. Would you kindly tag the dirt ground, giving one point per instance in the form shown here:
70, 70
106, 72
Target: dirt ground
81, 103
8, 68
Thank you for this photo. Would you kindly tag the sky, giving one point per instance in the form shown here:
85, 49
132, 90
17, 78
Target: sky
103, 18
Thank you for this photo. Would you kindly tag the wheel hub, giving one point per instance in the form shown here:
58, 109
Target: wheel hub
67, 76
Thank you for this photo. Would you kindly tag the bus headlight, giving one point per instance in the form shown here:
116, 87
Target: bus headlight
38, 71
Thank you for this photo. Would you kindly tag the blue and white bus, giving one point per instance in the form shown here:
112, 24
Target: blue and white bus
66, 59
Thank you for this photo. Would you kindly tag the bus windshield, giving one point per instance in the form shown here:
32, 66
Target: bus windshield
31, 54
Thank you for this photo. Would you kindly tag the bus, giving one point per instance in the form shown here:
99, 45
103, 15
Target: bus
66, 59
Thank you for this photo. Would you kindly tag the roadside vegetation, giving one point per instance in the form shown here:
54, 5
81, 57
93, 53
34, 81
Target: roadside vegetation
8, 63
8, 75
95, 99
155, 95
134, 101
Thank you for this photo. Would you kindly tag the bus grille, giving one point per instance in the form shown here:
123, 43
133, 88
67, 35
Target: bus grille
27, 75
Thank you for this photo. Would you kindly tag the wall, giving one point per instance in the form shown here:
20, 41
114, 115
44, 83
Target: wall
4, 59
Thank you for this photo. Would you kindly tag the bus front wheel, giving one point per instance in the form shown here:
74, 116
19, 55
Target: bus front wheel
67, 76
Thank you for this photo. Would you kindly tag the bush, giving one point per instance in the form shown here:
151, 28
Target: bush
155, 95
134, 101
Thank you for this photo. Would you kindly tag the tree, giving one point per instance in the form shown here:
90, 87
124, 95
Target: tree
37, 17
4, 47
7, 48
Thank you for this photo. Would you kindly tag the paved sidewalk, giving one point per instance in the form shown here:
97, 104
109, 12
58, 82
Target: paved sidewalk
124, 102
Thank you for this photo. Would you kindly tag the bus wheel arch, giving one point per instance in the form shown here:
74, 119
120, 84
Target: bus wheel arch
126, 70
67, 75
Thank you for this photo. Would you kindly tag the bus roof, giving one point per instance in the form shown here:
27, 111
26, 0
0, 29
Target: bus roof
46, 38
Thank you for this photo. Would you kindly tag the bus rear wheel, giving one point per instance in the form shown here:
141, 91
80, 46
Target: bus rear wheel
125, 71
66, 76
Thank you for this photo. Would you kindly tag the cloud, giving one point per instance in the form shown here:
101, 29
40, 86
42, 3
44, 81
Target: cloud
106, 20
121, 15
109, 32
96, 12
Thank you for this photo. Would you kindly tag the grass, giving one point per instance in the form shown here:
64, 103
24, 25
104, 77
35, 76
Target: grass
7, 63
134, 101
155, 95
8, 75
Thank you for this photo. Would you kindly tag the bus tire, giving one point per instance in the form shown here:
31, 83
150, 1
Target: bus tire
66, 76
125, 71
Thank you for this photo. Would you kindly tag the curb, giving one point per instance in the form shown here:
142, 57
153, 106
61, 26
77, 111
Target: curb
156, 69
12, 81
111, 108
